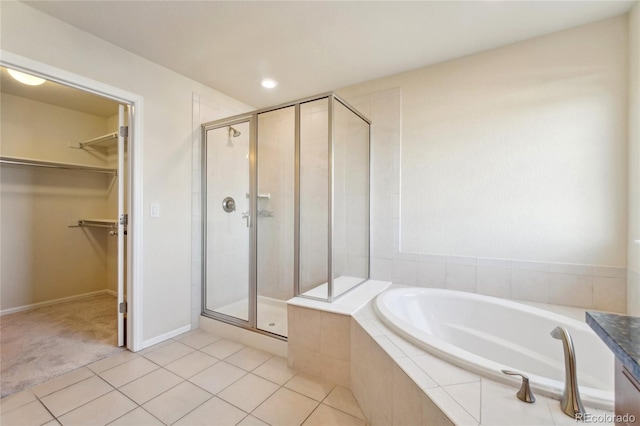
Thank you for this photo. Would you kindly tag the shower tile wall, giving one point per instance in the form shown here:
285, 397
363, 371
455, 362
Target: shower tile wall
587, 286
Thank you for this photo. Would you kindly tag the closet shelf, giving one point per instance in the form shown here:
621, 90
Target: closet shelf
111, 137
16, 161
98, 223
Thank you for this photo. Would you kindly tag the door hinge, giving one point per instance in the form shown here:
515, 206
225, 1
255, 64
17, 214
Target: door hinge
124, 131
124, 219
122, 308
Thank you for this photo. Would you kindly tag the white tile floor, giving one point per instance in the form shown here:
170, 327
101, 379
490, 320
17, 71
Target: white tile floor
194, 379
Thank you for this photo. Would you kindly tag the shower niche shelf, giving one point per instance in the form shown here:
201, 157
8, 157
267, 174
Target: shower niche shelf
265, 196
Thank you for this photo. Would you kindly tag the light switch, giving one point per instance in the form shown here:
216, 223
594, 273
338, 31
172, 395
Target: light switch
154, 210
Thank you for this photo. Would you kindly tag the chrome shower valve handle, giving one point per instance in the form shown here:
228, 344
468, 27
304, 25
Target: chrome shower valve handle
524, 394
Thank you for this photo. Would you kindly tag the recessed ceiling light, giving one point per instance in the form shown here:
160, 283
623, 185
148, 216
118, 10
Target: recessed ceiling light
27, 79
268, 83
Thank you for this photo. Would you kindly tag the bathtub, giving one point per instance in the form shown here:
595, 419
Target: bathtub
484, 335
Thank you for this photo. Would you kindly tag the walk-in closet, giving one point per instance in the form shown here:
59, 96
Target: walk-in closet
63, 214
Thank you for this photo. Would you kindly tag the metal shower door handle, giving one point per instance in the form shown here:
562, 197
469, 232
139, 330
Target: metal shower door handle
228, 204
247, 216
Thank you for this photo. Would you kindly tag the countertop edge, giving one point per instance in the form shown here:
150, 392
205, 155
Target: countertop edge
615, 347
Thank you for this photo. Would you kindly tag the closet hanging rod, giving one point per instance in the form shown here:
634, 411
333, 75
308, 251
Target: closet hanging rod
15, 161
99, 139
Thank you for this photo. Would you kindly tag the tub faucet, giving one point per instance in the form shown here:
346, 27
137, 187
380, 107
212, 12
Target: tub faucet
570, 403
524, 394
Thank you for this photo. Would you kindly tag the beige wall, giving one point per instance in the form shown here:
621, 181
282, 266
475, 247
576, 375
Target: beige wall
519, 152
43, 258
633, 277
167, 160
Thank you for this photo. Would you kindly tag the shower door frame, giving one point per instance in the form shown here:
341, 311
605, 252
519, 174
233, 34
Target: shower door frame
252, 278
252, 118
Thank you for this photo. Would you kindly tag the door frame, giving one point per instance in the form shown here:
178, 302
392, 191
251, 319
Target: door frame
135, 182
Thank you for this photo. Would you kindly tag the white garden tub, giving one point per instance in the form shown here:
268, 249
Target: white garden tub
485, 335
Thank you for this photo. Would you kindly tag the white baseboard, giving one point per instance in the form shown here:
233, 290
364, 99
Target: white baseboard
56, 301
246, 337
165, 336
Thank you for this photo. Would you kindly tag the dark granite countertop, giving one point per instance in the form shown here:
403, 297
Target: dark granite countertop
621, 334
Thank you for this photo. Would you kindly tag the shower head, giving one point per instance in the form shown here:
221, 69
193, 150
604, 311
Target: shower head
233, 132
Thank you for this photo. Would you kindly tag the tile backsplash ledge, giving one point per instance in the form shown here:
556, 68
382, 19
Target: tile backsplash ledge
585, 286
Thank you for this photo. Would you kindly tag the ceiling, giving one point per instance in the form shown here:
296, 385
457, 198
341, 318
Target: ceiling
311, 47
59, 95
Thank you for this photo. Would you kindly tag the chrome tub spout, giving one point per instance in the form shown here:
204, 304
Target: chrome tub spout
570, 403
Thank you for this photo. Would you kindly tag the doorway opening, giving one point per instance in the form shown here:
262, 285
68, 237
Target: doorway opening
65, 198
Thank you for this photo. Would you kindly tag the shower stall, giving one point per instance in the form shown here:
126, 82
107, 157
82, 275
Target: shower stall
285, 207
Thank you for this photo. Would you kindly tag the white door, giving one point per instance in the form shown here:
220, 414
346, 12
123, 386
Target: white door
122, 220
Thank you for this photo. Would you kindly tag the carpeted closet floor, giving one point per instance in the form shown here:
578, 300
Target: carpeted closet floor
42, 343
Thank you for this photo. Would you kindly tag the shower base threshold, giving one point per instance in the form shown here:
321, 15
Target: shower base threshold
272, 314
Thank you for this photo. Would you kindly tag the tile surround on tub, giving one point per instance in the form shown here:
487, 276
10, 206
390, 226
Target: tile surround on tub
493, 281
320, 335
571, 290
382, 269
447, 394
431, 274
633, 293
532, 286
405, 272
585, 286
426, 389
609, 294
460, 277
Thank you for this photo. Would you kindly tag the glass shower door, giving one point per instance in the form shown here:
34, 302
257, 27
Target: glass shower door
275, 202
226, 153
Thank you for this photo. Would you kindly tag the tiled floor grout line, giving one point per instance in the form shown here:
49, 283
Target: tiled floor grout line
142, 408
280, 386
480, 414
112, 388
221, 390
75, 408
319, 403
135, 408
311, 413
177, 384
45, 407
444, 388
190, 411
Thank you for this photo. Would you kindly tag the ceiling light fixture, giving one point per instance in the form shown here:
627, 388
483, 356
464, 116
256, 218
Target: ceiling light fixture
268, 83
27, 79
